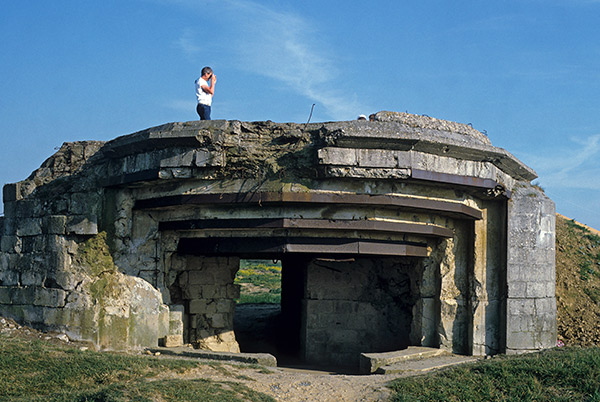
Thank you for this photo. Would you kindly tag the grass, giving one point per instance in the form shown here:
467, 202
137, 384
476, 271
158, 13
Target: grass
39, 371
260, 280
557, 375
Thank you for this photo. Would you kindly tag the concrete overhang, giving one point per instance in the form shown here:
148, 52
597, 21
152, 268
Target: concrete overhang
444, 208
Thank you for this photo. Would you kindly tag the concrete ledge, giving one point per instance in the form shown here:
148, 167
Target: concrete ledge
264, 359
371, 362
447, 208
426, 365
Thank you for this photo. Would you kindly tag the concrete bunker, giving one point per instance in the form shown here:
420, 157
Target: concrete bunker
403, 231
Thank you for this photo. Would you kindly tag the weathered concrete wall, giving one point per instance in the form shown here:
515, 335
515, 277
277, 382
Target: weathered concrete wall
205, 285
359, 305
170, 210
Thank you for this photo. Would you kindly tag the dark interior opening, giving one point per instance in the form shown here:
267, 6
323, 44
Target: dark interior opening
269, 327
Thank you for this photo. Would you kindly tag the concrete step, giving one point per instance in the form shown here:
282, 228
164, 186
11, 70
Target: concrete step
371, 362
425, 364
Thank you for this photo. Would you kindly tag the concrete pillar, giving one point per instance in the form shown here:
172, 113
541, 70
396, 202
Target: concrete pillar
531, 275
209, 292
488, 293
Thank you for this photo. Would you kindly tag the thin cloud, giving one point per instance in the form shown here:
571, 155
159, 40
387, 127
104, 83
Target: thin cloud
286, 47
187, 43
282, 46
576, 167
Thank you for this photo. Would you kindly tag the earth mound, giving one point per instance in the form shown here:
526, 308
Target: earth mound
577, 282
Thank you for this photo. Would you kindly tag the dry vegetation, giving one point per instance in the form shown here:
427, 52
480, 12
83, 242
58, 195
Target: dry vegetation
577, 283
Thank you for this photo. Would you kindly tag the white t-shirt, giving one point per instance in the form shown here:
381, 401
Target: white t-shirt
203, 97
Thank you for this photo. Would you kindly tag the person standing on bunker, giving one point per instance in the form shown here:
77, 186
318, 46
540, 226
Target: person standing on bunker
205, 92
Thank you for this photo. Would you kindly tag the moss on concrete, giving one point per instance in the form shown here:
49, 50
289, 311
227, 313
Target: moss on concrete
95, 256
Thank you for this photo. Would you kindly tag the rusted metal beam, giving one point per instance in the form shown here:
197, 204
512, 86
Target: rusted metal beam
314, 224
273, 246
454, 179
277, 198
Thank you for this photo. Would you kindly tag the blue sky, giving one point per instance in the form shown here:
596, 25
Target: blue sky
526, 72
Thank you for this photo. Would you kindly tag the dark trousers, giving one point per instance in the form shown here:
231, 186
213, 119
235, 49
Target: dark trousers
203, 111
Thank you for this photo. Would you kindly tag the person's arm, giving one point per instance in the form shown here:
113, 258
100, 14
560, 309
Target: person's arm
211, 89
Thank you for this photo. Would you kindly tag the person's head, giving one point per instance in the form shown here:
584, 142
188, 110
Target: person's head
206, 73
372, 117
362, 117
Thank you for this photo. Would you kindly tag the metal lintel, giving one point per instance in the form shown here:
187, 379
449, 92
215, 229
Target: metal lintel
314, 224
284, 245
454, 179
278, 198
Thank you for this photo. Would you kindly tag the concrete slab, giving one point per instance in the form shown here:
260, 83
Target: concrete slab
371, 362
264, 359
426, 364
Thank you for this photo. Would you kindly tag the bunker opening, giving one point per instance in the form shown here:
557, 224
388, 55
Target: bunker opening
306, 309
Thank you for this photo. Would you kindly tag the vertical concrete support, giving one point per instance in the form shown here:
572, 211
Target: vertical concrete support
455, 276
531, 275
426, 312
488, 294
208, 288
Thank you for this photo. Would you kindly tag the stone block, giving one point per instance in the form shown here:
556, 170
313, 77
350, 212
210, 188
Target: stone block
171, 341
182, 278
84, 203
176, 327
219, 320
209, 158
5, 295
59, 318
11, 192
22, 295
200, 277
517, 289
176, 312
143, 161
376, 158
8, 275
198, 306
49, 297
179, 160
55, 224
32, 244
210, 291
34, 274
538, 290
82, 225
193, 292
233, 291
10, 244
225, 306
29, 227
32, 314
163, 320
337, 156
